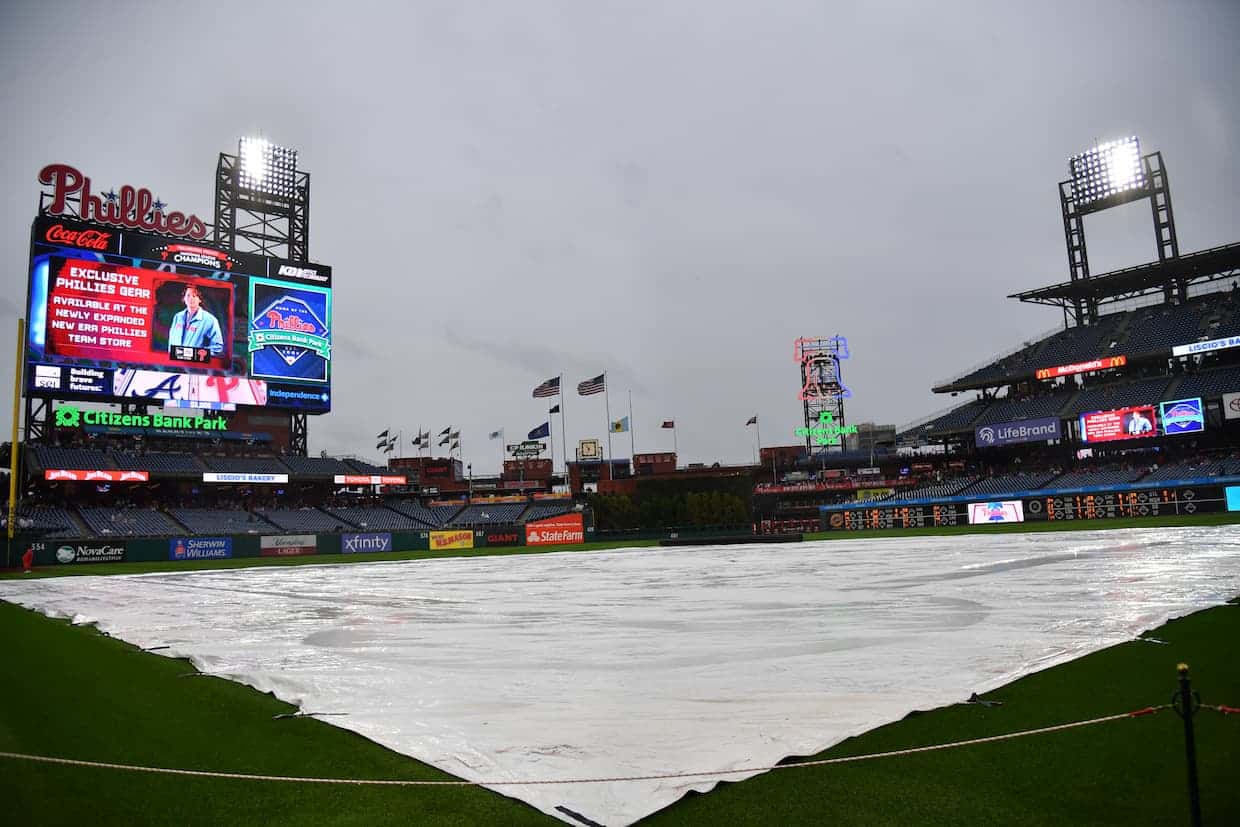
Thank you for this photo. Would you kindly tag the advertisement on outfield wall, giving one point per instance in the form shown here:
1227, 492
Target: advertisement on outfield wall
564, 529
199, 548
441, 540
1137, 422
69, 475
365, 543
503, 538
1003, 511
287, 545
1011, 433
90, 553
1182, 416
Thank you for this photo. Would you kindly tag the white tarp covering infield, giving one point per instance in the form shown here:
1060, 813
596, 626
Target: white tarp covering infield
639, 662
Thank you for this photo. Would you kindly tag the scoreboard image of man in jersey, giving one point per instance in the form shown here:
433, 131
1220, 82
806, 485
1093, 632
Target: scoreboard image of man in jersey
290, 331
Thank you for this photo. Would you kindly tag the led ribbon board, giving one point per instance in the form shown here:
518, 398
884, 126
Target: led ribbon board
1082, 367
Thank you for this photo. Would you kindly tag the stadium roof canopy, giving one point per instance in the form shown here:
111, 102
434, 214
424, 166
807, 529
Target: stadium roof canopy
1209, 265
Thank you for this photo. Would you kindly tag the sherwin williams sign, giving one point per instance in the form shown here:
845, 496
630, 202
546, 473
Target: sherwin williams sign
441, 540
566, 528
1010, 433
363, 543
199, 548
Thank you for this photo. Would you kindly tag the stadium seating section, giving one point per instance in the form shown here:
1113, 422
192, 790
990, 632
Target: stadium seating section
303, 519
419, 512
54, 456
214, 521
375, 519
159, 463
488, 514
320, 466
541, 511
245, 465
128, 522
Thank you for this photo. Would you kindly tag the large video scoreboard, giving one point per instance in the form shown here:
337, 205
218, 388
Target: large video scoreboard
122, 316
1145, 502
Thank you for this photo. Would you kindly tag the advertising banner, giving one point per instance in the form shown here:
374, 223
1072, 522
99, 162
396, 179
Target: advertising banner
262, 479
1182, 416
1082, 367
188, 387
1205, 347
88, 381
1004, 511
287, 545
290, 331
1010, 433
1231, 406
364, 543
1122, 423
199, 548
112, 552
441, 540
364, 479
112, 312
566, 528
54, 474
503, 538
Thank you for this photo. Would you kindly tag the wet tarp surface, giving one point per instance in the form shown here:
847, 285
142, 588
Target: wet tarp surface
649, 661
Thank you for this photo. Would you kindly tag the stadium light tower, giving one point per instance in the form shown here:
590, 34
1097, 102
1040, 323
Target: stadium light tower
262, 201
262, 205
1108, 175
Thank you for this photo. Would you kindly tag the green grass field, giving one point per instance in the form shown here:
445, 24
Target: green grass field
72, 692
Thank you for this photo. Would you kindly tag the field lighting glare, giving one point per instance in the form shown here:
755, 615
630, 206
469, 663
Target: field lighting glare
265, 168
1110, 172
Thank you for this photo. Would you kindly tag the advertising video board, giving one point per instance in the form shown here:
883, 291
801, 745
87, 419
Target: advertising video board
1003, 511
1123, 423
1182, 416
120, 315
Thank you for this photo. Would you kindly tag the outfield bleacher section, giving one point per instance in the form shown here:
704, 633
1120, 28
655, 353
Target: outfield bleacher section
1120, 395
1209, 384
128, 522
428, 517
363, 467
947, 488
376, 519
482, 514
55, 521
1088, 478
158, 463
1007, 483
542, 511
214, 521
304, 519
75, 459
245, 465
316, 466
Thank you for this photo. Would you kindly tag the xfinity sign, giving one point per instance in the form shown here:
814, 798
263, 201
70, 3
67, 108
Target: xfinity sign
1010, 433
362, 543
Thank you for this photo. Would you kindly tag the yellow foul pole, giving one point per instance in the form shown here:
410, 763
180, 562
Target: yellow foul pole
17, 407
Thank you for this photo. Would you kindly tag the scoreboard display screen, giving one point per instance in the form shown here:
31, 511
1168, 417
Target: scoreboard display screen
121, 316
1147, 502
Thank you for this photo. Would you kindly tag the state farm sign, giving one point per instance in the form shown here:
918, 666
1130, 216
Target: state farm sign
554, 531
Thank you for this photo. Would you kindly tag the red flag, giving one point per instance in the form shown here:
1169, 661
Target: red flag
668, 423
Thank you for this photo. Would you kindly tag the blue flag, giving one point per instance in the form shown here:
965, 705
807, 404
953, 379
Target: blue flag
541, 432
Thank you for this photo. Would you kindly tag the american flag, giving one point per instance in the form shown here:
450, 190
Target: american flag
591, 386
549, 388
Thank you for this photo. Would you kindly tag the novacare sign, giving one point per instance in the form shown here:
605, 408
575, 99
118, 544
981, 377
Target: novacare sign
1010, 433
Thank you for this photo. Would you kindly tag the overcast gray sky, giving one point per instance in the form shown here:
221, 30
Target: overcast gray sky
671, 192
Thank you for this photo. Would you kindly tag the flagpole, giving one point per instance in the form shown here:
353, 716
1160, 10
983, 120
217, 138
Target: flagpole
563, 431
757, 426
607, 403
502, 448
675, 450
551, 436
632, 437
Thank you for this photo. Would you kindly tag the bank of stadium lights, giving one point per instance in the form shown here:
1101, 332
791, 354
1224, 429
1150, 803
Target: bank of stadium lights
266, 168
1109, 171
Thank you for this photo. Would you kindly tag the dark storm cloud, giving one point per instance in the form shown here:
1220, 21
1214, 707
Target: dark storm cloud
672, 192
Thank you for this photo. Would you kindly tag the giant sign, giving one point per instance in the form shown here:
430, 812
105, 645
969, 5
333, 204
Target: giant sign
1122, 423
1010, 433
119, 315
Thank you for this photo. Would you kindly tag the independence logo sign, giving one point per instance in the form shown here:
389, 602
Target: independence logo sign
290, 331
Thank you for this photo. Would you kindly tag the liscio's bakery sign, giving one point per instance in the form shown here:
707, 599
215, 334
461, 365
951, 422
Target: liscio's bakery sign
134, 208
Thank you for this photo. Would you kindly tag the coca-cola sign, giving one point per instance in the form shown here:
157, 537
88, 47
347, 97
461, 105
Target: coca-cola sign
130, 207
83, 239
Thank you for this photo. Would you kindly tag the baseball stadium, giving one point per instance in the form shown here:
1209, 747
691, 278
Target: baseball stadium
1018, 609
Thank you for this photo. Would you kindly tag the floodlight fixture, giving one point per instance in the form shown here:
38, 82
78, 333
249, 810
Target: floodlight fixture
1109, 174
266, 169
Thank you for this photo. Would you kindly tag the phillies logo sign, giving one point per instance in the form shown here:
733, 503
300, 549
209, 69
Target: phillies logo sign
134, 208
